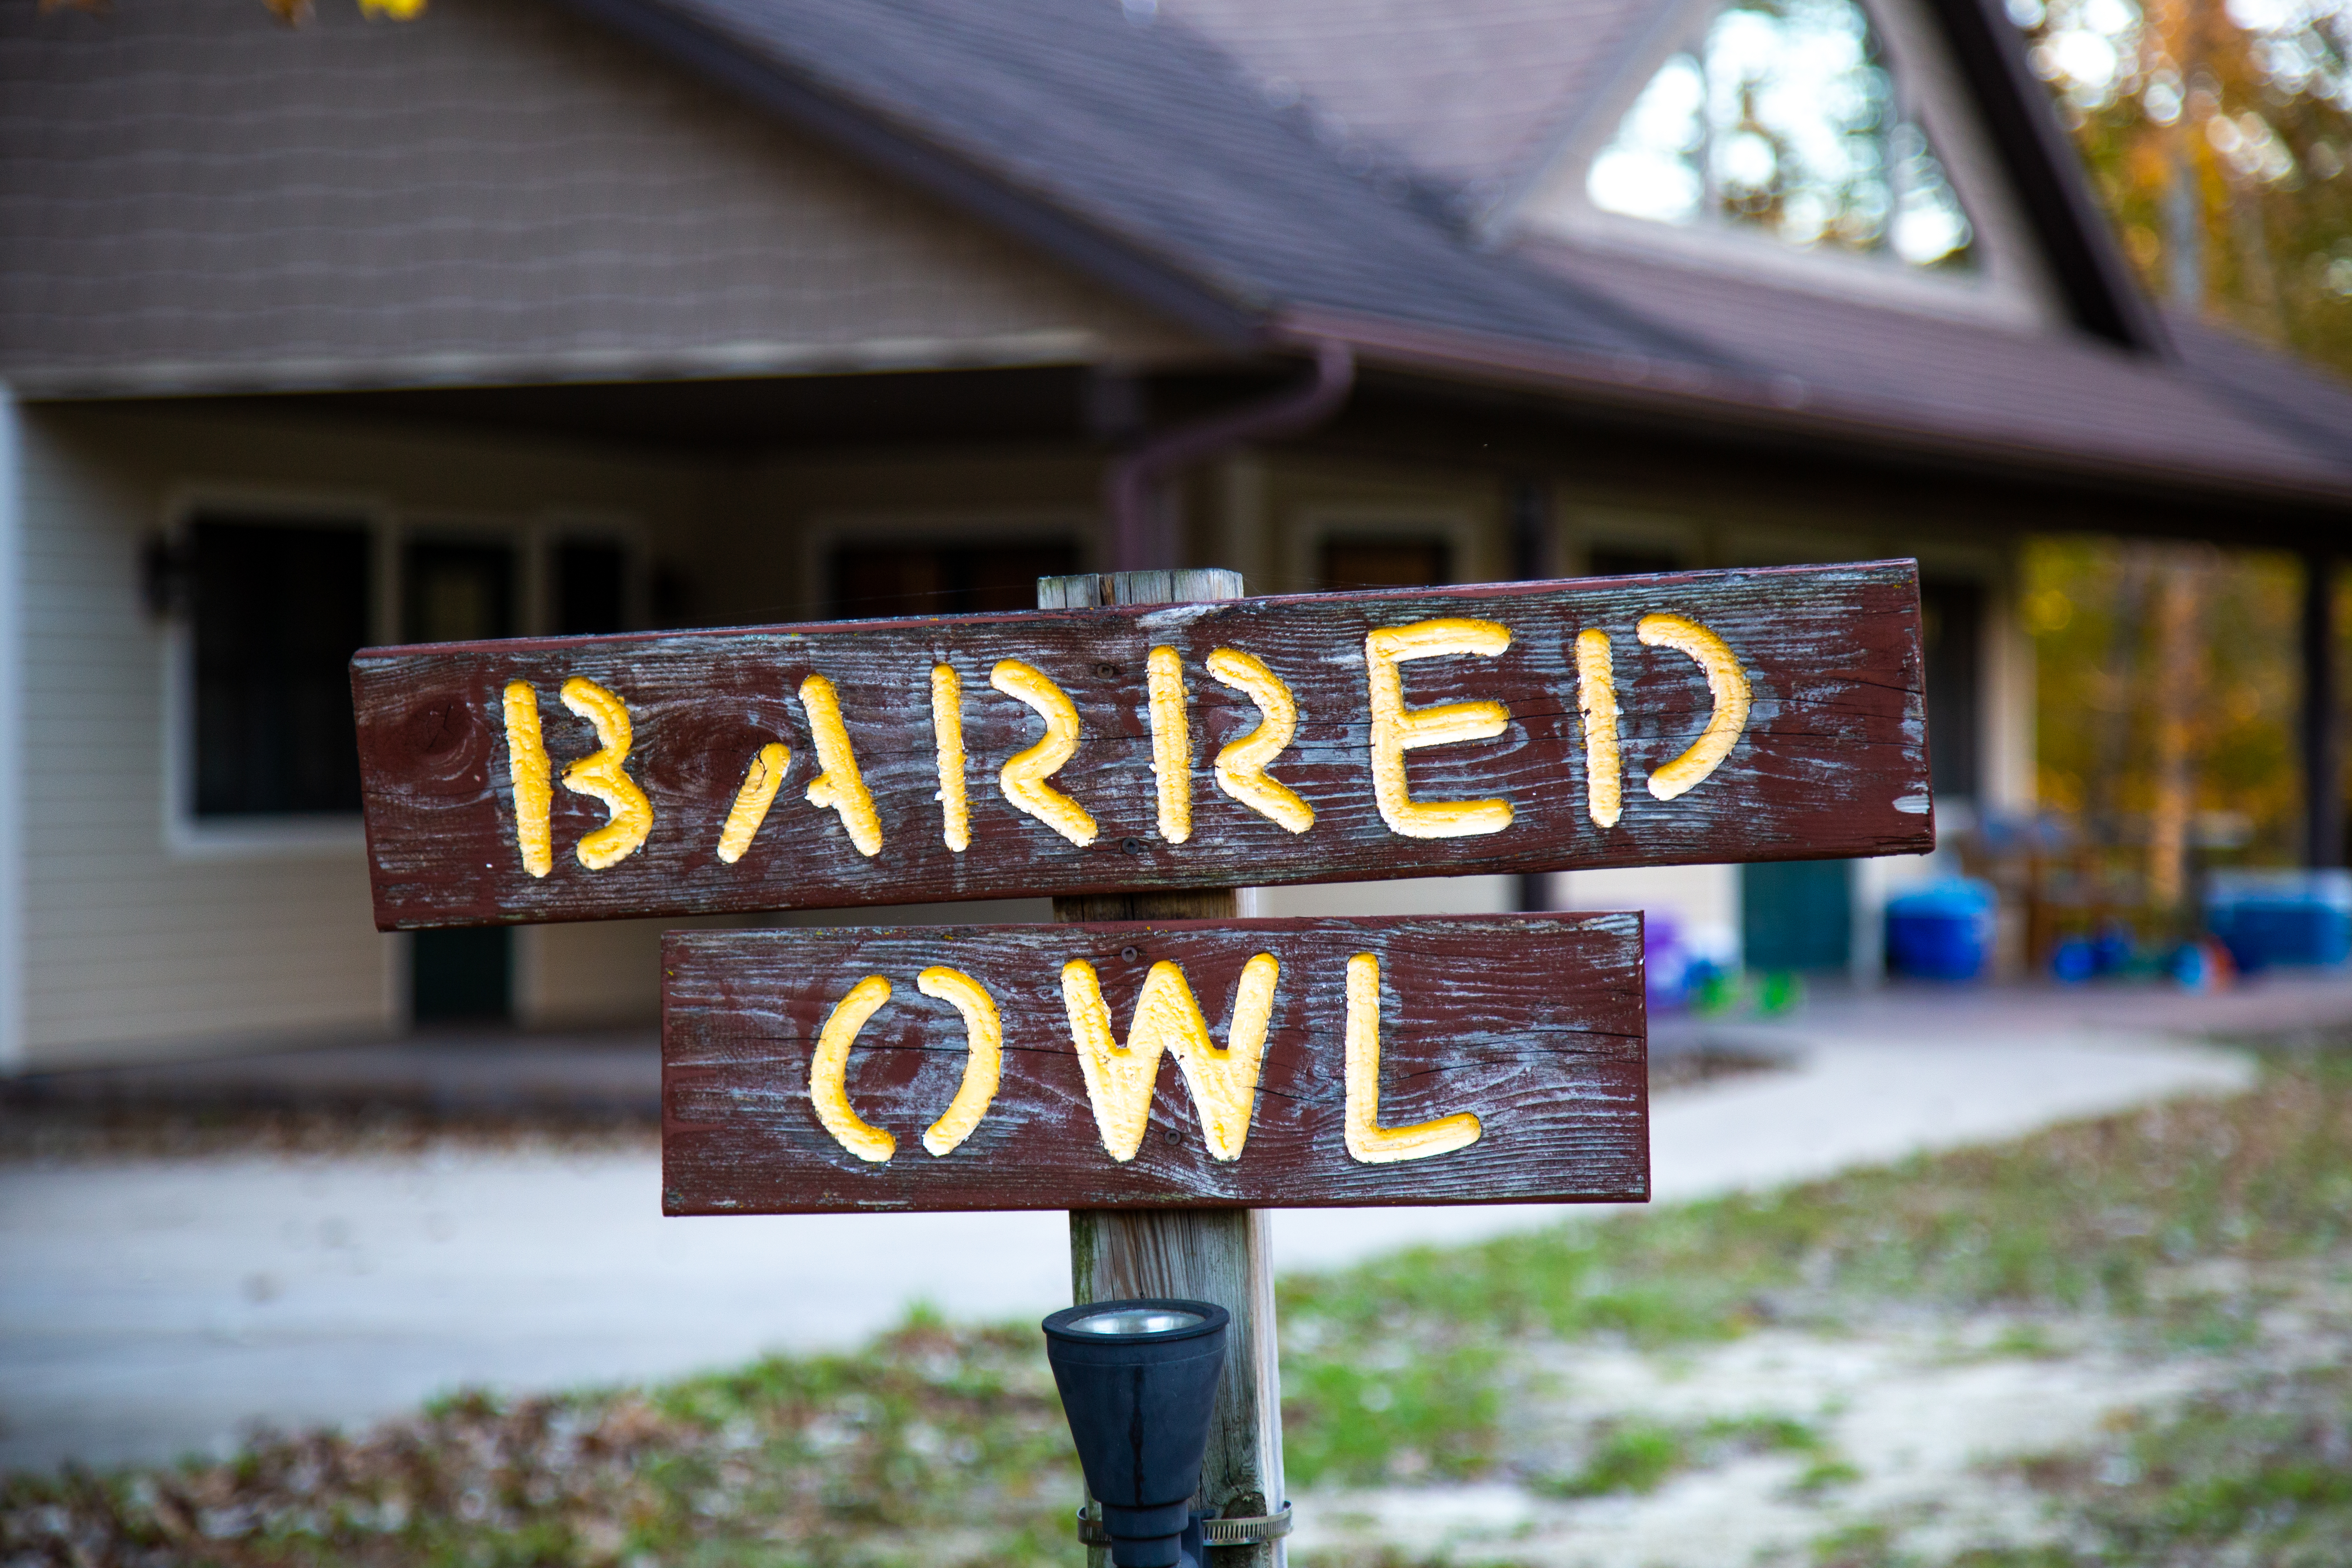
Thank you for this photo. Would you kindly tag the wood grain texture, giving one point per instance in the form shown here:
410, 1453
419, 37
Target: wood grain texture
1534, 1024
1221, 1255
1834, 760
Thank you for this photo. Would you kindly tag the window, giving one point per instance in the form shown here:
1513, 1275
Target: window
279, 609
919, 579
273, 603
1783, 119
1385, 564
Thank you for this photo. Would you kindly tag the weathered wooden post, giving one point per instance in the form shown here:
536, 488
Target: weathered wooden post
1221, 1255
1136, 753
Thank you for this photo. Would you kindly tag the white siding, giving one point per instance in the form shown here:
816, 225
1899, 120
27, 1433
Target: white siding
130, 947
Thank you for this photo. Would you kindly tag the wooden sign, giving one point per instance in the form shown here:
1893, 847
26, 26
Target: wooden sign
1260, 1063
1751, 715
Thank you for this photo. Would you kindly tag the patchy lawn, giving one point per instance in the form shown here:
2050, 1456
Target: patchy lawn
2116, 1342
934, 1446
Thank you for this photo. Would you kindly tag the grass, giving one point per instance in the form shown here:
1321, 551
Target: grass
2261, 1472
944, 1445
934, 1446
2100, 1217
2258, 1474
1640, 1456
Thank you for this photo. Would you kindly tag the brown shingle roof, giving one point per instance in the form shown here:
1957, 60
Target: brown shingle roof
2059, 399
1158, 132
1469, 94
1148, 154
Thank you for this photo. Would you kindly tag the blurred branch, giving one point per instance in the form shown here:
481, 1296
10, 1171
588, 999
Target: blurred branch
293, 13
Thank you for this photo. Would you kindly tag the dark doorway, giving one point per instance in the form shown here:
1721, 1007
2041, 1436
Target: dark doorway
592, 589
1796, 915
1618, 561
1952, 634
943, 579
459, 591
461, 976
1386, 563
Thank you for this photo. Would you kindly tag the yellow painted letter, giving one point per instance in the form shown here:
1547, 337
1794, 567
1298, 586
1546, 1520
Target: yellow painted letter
1726, 681
946, 739
1024, 778
1240, 764
1397, 728
1369, 1142
840, 785
1596, 694
751, 802
829, 1073
527, 765
983, 1032
1171, 745
1223, 1083
601, 774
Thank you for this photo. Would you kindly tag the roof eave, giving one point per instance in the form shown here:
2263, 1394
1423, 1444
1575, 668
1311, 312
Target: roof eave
2101, 293
1779, 405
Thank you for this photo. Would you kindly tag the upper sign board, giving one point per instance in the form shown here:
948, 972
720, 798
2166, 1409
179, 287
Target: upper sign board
1690, 716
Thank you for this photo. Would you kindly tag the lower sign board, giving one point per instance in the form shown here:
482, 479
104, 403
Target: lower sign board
1258, 1063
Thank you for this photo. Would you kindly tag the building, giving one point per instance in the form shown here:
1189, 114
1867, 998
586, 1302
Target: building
567, 315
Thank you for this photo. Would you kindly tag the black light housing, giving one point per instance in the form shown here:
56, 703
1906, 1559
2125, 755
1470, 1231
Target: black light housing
1139, 1380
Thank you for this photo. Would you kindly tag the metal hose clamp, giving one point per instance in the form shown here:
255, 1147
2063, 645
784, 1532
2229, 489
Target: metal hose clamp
1248, 1530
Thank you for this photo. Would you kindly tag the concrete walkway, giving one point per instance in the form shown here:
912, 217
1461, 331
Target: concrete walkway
151, 1308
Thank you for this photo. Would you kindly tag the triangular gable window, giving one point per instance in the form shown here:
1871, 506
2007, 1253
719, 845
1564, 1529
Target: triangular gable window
1782, 118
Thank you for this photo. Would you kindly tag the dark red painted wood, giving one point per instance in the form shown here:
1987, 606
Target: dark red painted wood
1534, 1024
1833, 761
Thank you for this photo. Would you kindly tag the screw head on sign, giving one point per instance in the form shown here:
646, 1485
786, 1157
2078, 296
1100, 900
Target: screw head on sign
1127, 953
1132, 846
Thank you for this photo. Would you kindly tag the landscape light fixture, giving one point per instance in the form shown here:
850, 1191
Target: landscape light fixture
1139, 1380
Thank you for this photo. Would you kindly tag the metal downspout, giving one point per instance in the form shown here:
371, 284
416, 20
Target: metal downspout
1136, 544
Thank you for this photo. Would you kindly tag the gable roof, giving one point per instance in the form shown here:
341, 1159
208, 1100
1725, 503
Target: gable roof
1163, 151
1138, 151
1251, 174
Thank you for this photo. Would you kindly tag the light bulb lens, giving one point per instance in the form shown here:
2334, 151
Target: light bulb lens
1134, 1320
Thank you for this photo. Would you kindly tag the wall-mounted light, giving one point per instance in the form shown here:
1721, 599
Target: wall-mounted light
167, 575
1139, 1380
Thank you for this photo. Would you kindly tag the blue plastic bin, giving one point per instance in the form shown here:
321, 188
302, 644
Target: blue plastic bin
2270, 918
1941, 931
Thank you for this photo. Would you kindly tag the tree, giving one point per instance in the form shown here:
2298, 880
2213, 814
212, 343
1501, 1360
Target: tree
293, 13
2217, 134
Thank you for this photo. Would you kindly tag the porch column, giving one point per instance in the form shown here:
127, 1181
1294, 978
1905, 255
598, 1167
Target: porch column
2323, 804
12, 769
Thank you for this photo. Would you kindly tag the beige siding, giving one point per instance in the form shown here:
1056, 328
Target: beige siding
135, 947
199, 198
606, 972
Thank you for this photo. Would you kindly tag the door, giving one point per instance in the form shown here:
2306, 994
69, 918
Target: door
1796, 915
459, 592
